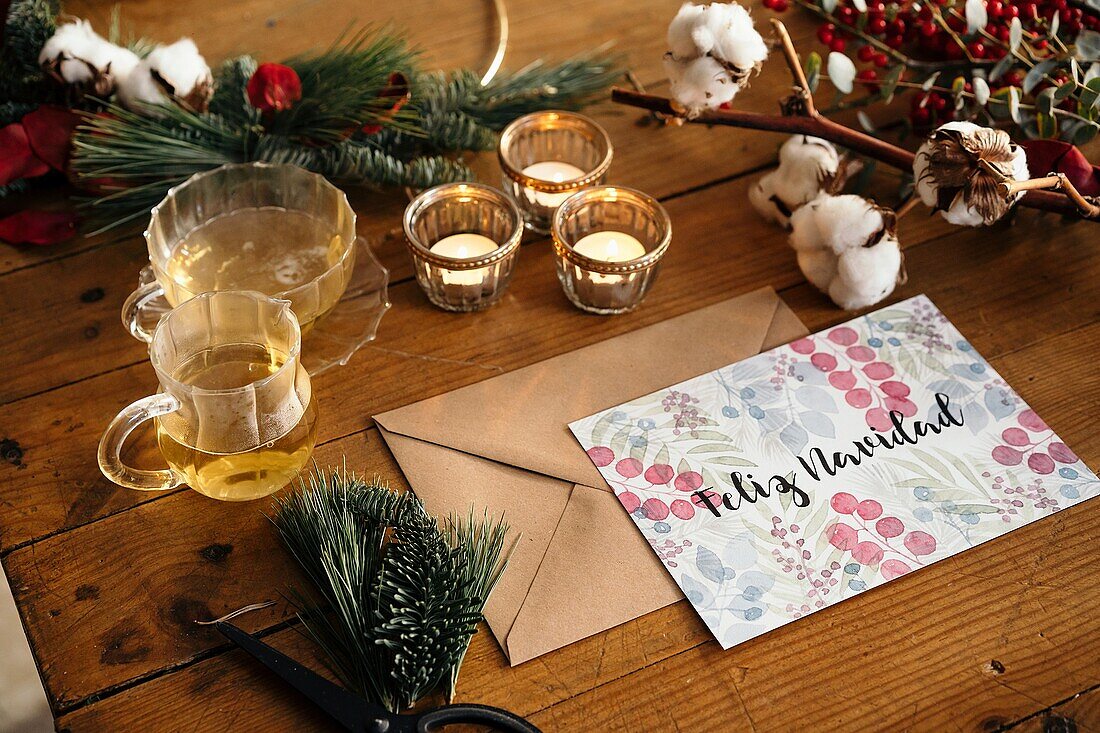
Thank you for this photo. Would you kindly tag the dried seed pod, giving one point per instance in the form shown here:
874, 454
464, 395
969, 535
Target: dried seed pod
959, 168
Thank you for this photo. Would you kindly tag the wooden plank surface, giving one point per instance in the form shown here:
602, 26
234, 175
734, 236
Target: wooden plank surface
110, 581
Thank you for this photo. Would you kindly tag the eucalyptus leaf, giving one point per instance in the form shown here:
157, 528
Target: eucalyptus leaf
976, 16
1044, 101
981, 90
1015, 34
1091, 93
930, 82
1037, 73
1092, 73
860, 5
1064, 91
842, 72
1014, 104
1085, 132
1055, 23
813, 70
828, 6
1001, 67
1086, 47
1047, 125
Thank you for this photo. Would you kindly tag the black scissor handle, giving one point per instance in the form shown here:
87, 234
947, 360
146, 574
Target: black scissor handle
495, 718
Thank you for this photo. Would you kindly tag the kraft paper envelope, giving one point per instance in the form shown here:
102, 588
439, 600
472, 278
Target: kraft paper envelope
504, 444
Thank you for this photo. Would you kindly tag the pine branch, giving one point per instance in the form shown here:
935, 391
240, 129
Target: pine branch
355, 163
230, 100
30, 23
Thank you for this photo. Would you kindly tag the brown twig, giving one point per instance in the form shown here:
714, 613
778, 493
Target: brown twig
909, 205
1056, 180
808, 121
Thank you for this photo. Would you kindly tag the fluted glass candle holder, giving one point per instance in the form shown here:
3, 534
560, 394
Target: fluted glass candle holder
464, 238
547, 157
609, 243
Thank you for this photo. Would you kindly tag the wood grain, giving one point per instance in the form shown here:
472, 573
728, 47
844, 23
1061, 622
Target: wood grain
109, 581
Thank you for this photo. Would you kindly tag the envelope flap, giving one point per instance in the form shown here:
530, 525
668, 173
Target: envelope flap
521, 417
622, 578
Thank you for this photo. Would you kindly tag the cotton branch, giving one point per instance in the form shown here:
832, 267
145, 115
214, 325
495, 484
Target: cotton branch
802, 118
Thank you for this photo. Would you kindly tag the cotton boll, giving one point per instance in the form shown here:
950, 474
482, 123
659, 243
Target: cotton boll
76, 54
738, 42
176, 72
762, 198
949, 172
839, 223
806, 165
819, 266
866, 275
680, 43
700, 83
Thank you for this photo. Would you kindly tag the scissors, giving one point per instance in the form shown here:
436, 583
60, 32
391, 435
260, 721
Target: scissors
359, 715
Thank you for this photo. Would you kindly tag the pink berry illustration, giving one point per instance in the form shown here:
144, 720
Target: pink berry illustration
1006, 456
867, 553
920, 543
683, 509
629, 500
659, 473
869, 509
1031, 421
712, 497
601, 455
858, 398
655, 509
1015, 436
894, 389
878, 419
1040, 463
843, 336
802, 346
893, 569
629, 467
906, 407
843, 380
889, 527
860, 353
841, 536
1061, 453
843, 502
688, 481
824, 362
878, 370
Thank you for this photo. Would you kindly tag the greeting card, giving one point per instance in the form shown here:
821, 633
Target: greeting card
810, 473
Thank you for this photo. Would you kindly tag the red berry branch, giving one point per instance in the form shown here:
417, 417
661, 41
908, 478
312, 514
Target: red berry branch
801, 116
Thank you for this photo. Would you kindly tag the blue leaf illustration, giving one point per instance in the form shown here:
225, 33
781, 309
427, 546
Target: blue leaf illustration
794, 437
999, 402
815, 398
951, 387
964, 371
739, 552
807, 373
975, 417
699, 595
818, 423
711, 566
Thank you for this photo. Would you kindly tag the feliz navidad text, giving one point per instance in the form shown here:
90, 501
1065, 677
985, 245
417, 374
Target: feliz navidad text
817, 463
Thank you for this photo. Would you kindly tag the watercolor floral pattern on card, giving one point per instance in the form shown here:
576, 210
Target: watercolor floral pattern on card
670, 456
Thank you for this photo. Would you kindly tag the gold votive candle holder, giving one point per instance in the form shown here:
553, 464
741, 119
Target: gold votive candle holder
609, 243
464, 238
548, 156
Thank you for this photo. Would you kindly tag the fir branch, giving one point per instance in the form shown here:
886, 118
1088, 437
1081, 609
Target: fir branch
30, 23
399, 597
355, 163
341, 87
425, 612
230, 100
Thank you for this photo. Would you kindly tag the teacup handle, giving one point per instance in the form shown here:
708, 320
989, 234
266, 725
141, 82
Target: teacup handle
110, 445
134, 307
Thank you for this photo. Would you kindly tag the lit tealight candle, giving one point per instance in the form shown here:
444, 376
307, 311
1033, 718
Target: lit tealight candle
610, 246
461, 247
555, 171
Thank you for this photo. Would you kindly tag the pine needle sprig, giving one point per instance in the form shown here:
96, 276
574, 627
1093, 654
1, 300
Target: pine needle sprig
399, 598
29, 24
341, 87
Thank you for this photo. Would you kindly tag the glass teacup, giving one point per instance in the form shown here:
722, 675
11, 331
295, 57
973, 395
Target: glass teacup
235, 418
277, 229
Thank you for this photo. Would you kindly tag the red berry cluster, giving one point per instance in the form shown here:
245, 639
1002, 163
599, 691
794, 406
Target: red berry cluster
866, 382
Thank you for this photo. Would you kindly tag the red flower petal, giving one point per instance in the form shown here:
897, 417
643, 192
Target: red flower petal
50, 133
17, 160
274, 87
1055, 156
38, 227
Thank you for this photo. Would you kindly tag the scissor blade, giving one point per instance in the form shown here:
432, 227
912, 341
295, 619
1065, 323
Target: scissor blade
345, 707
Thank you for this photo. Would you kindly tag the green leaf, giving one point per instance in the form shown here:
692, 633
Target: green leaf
712, 448
1065, 90
1085, 132
1090, 95
1037, 73
1047, 125
813, 69
1044, 101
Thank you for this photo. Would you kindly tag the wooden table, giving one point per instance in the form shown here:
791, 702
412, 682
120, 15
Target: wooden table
109, 581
